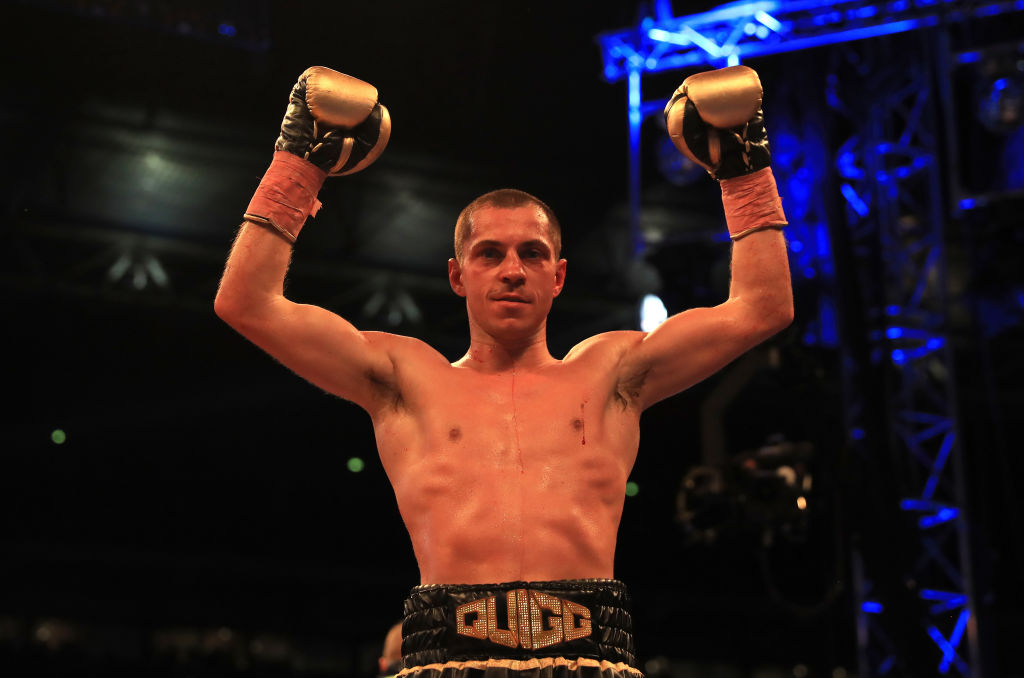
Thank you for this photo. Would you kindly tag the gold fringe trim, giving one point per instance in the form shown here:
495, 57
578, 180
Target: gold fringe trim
526, 665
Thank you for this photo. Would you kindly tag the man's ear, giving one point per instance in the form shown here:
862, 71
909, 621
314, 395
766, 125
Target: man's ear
559, 276
455, 277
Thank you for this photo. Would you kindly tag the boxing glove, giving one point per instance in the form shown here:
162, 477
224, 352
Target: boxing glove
334, 125
714, 118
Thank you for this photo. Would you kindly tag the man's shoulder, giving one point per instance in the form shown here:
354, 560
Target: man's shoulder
604, 345
403, 348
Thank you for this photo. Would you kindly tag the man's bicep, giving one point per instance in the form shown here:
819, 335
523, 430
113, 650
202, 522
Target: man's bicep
688, 348
324, 349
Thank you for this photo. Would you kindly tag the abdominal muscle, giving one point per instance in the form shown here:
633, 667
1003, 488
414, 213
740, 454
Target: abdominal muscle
524, 480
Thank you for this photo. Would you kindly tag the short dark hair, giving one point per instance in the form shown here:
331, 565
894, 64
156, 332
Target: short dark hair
505, 198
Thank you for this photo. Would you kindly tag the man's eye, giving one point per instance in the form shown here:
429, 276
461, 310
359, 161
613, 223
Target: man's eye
533, 254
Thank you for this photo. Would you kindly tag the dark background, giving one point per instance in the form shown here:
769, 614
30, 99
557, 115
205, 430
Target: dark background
201, 513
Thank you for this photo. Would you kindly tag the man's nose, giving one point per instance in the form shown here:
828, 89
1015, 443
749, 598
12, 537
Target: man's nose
512, 270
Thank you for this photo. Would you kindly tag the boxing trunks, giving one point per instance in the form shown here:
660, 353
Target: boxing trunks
577, 628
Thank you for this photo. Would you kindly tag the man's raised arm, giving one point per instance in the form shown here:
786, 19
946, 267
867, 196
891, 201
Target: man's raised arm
715, 119
334, 125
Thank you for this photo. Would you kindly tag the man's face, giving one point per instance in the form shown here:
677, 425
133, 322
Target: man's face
508, 273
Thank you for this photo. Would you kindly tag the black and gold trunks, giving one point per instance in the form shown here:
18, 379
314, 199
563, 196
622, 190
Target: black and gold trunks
550, 629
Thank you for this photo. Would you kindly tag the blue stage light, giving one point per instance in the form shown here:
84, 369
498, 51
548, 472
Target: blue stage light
988, 10
227, 30
872, 607
944, 515
662, 35
769, 22
864, 12
946, 601
847, 164
948, 647
939, 464
945, 596
854, 200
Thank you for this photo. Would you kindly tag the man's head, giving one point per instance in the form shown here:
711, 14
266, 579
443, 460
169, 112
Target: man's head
390, 661
507, 266
505, 198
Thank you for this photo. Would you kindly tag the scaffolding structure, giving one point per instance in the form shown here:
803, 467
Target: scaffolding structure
889, 191
891, 183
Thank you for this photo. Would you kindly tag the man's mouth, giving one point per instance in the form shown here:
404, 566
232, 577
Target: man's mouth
511, 297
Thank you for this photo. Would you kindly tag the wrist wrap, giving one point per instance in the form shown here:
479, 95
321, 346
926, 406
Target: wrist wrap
286, 195
752, 203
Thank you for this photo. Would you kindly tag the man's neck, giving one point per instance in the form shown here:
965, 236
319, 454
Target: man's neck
487, 354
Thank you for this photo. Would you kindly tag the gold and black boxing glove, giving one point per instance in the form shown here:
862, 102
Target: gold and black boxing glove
334, 125
715, 119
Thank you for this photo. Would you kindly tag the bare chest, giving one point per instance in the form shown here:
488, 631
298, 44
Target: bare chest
557, 421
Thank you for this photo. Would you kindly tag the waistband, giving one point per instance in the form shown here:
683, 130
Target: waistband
578, 618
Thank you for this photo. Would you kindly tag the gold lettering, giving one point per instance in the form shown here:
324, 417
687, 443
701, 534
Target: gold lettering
523, 609
508, 637
478, 629
570, 611
544, 636
526, 625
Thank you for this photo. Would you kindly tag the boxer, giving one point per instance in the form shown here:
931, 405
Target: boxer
509, 465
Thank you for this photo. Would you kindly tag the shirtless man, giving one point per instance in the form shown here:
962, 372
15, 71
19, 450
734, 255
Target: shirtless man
509, 465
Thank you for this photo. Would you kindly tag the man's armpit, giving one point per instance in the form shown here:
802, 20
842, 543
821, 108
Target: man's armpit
629, 387
631, 371
385, 390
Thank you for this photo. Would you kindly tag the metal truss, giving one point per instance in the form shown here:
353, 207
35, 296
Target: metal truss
753, 28
890, 178
745, 29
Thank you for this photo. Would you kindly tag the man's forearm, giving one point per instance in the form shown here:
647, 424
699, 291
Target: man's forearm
760, 265
760, 277
254, 275
334, 125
